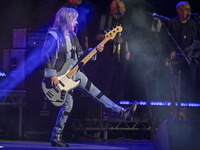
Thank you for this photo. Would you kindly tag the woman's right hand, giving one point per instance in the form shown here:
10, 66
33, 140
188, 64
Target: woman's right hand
54, 81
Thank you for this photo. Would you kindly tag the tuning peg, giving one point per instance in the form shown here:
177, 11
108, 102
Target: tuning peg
116, 25
113, 27
105, 31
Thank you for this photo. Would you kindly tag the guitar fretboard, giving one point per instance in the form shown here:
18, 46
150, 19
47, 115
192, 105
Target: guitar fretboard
85, 60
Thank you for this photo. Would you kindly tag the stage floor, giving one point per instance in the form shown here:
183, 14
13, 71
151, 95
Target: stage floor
116, 145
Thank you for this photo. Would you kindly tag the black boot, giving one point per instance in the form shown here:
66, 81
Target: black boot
55, 141
124, 113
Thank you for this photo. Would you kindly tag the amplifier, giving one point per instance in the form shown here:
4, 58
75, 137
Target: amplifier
28, 38
13, 62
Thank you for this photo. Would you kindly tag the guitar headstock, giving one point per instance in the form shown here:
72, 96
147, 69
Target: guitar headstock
112, 33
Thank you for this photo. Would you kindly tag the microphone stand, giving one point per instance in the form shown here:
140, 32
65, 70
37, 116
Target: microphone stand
116, 45
179, 66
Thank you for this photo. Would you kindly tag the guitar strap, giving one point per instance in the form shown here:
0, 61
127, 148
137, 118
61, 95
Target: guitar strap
61, 52
76, 47
62, 42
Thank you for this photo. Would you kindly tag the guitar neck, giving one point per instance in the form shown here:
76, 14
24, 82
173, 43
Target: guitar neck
85, 60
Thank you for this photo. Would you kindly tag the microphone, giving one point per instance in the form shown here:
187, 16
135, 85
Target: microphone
194, 14
154, 15
117, 4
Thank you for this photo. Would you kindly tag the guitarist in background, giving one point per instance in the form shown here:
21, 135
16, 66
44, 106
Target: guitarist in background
184, 31
113, 62
61, 44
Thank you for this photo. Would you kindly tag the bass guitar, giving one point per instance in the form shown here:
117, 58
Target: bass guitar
57, 94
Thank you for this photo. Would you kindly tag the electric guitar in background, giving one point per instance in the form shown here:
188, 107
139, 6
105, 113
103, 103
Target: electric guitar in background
173, 65
174, 109
57, 94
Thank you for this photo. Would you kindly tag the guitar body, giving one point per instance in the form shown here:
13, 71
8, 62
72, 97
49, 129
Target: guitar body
57, 95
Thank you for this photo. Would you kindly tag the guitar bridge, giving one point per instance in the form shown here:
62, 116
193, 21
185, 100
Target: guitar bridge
57, 91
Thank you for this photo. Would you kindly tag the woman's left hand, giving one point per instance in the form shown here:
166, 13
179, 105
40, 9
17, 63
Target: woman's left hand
100, 48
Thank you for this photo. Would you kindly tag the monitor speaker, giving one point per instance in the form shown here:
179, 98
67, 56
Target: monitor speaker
13, 63
178, 135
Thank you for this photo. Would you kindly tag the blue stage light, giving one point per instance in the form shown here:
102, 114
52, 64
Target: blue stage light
158, 103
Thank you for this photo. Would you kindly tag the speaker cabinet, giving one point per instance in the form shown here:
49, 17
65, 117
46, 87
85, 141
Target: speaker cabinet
178, 135
13, 62
24, 38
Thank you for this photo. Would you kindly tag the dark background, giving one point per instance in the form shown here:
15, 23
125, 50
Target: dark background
143, 45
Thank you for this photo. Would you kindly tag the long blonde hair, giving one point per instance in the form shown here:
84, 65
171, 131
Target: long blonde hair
64, 18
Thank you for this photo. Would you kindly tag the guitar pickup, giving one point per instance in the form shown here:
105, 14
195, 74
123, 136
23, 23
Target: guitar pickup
61, 83
50, 94
57, 91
